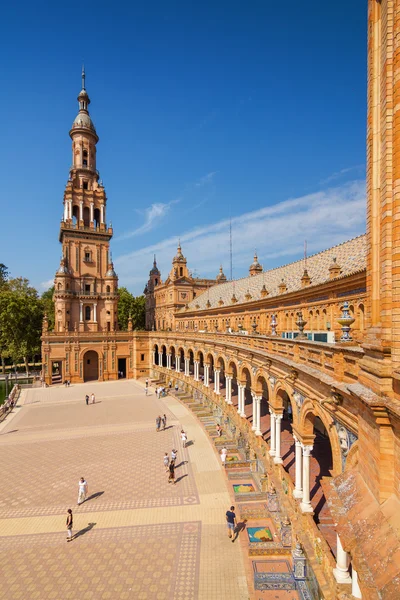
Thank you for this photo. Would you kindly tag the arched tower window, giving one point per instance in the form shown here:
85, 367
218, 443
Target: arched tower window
87, 313
86, 216
181, 271
96, 217
108, 289
85, 158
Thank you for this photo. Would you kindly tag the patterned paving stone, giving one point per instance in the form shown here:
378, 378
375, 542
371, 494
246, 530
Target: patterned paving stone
147, 562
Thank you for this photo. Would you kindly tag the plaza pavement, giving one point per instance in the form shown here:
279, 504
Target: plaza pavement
138, 537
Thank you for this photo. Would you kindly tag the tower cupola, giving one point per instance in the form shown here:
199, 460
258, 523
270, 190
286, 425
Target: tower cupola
255, 267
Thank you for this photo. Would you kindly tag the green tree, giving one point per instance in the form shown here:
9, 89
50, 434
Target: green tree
48, 306
21, 316
3, 275
128, 306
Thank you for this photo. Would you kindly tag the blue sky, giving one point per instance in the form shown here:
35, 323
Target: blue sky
255, 110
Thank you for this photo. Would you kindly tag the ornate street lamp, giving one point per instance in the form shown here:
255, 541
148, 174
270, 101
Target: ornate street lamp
346, 320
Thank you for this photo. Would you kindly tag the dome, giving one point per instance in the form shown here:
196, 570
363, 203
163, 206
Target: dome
221, 275
83, 120
110, 271
255, 266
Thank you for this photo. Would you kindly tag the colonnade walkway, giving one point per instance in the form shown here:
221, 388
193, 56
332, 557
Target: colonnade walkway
318, 456
137, 537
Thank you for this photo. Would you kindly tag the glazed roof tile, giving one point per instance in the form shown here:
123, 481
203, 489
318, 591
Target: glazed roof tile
351, 257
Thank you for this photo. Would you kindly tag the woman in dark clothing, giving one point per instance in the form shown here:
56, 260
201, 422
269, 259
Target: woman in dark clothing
171, 476
69, 525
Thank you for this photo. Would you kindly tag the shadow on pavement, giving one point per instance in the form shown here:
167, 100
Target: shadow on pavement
94, 496
84, 530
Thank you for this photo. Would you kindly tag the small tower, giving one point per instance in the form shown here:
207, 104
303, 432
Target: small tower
221, 277
152, 284
179, 265
282, 287
306, 279
334, 269
255, 267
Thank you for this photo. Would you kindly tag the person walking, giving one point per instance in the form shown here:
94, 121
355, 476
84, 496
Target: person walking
176, 387
183, 438
87, 399
166, 461
69, 525
174, 454
219, 430
93, 398
82, 490
147, 387
164, 421
224, 452
231, 522
171, 468
158, 423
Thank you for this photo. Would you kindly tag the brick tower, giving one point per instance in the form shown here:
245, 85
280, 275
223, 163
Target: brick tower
86, 285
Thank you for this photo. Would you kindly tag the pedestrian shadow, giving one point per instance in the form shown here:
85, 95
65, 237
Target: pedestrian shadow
189, 443
184, 462
181, 477
12, 431
239, 527
94, 496
168, 427
84, 530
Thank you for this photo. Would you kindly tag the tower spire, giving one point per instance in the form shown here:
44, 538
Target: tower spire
83, 77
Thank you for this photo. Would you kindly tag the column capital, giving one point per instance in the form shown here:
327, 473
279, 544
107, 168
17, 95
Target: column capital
278, 417
272, 412
307, 450
217, 370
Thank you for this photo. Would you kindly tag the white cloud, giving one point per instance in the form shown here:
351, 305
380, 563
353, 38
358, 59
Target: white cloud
324, 219
153, 215
341, 173
45, 285
206, 179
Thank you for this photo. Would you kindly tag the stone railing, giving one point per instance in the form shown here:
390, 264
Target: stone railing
317, 549
10, 402
341, 362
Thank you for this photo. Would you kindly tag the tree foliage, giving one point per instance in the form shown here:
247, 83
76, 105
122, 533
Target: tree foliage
21, 314
48, 306
129, 305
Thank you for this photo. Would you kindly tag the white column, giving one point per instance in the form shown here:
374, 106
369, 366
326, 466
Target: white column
254, 412
298, 490
305, 504
91, 212
65, 210
153, 357
341, 572
159, 359
169, 359
216, 380
95, 312
272, 431
81, 312
187, 366
177, 363
206, 376
355, 588
102, 213
258, 415
241, 400
278, 420
196, 370
81, 210
228, 395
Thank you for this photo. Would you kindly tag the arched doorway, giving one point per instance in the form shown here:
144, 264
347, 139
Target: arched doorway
90, 366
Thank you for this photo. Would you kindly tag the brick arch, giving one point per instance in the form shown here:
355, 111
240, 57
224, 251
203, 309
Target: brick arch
232, 368
198, 354
281, 388
221, 359
171, 349
241, 375
208, 356
352, 457
309, 411
259, 378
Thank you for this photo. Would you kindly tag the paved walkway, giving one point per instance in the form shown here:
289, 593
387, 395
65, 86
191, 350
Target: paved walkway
137, 537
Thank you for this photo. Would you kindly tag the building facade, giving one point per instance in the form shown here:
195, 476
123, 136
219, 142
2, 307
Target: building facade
164, 298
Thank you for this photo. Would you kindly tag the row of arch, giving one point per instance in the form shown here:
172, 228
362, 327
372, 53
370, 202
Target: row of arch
307, 422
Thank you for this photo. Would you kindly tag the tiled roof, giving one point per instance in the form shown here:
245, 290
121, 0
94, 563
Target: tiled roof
351, 257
